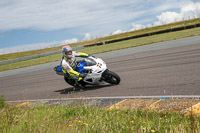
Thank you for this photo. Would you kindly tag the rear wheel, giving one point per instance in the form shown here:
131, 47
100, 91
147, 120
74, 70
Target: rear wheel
72, 82
69, 81
111, 77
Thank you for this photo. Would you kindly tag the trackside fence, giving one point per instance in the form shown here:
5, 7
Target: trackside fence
36, 56
147, 34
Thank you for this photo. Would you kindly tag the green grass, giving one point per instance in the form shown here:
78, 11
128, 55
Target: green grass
2, 102
83, 119
106, 48
103, 39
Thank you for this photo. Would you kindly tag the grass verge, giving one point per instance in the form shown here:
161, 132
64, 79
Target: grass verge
107, 47
103, 39
2, 102
85, 119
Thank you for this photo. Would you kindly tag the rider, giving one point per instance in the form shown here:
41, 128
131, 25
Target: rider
69, 63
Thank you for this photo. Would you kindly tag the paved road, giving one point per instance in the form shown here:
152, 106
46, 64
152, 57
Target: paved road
171, 71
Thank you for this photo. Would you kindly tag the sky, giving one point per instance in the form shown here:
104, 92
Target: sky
36, 24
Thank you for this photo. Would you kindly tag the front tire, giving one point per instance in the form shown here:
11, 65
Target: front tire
111, 77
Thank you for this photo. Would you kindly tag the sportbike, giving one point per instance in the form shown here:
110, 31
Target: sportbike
96, 72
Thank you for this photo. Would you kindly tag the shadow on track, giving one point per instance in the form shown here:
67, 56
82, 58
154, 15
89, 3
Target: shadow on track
77, 90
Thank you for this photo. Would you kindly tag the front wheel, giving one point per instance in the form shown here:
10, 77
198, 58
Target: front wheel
111, 77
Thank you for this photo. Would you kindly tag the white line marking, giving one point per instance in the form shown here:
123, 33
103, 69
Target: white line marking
117, 97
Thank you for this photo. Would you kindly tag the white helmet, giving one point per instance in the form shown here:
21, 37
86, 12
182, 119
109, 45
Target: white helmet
67, 51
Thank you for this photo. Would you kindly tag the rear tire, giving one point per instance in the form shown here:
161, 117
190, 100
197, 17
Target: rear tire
72, 82
69, 81
111, 77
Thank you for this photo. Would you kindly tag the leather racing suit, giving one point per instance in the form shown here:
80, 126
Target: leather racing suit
69, 65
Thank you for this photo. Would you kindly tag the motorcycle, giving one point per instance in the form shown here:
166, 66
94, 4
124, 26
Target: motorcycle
96, 72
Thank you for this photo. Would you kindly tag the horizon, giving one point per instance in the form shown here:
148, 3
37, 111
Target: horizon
35, 25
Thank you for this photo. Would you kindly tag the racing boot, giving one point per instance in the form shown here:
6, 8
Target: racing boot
79, 85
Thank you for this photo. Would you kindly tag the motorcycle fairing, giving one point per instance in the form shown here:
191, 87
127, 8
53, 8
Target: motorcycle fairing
59, 70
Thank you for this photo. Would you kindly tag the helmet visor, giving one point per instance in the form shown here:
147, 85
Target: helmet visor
68, 52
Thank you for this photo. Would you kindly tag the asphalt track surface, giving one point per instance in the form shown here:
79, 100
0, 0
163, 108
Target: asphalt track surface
168, 71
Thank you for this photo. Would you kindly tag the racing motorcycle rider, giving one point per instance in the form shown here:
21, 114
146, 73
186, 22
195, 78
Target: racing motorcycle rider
69, 65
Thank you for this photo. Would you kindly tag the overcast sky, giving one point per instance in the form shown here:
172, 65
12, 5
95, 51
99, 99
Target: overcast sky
35, 24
